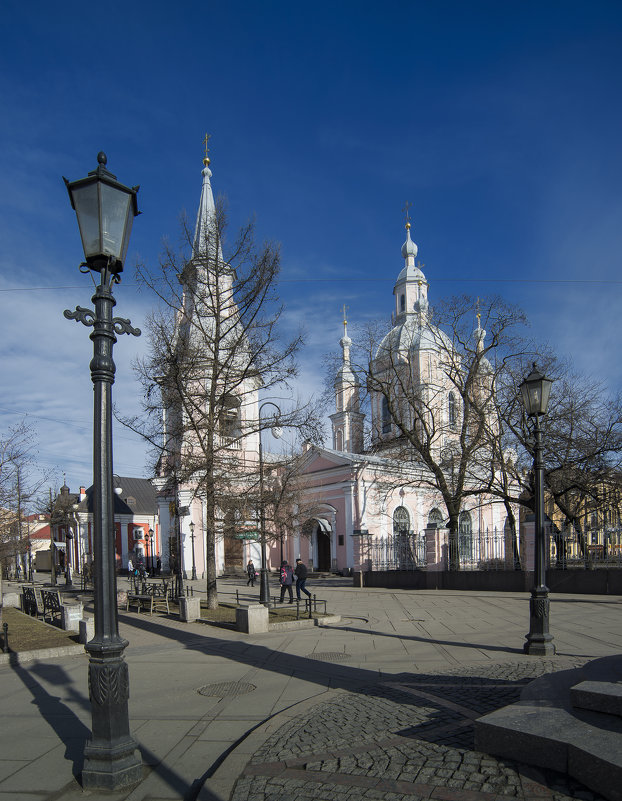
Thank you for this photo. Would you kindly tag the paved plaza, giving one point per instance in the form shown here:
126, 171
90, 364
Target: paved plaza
378, 706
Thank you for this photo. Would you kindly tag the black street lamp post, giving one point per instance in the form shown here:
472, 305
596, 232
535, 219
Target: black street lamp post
105, 210
151, 563
194, 567
264, 587
535, 391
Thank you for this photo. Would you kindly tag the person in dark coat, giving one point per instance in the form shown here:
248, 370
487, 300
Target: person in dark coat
286, 579
252, 573
301, 578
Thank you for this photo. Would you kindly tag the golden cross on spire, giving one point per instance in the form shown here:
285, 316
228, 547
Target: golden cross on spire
405, 210
345, 320
478, 315
205, 141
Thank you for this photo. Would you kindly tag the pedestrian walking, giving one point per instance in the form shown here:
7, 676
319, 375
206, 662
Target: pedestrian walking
158, 566
301, 578
252, 573
286, 579
130, 566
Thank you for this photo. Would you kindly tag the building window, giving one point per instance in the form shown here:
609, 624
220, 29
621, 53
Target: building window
401, 520
339, 539
339, 440
230, 419
452, 410
465, 537
402, 303
435, 519
386, 416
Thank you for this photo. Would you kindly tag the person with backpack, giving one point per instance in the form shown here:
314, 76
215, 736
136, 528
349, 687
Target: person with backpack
286, 579
301, 578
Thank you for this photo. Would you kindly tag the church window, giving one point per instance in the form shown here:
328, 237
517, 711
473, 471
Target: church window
339, 440
435, 518
453, 419
401, 520
230, 419
386, 416
402, 302
465, 537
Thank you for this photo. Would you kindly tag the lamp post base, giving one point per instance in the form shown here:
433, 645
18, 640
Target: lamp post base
264, 587
107, 768
539, 640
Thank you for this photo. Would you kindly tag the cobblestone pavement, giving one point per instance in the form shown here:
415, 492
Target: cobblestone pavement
407, 738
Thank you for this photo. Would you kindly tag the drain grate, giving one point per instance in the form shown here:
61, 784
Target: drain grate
329, 656
225, 689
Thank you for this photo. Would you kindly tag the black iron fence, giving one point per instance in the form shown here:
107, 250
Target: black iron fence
489, 549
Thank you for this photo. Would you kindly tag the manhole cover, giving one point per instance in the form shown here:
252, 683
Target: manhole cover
329, 656
224, 689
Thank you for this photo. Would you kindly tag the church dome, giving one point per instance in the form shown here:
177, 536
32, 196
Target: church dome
410, 336
409, 248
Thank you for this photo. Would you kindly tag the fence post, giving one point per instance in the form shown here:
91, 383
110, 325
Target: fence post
5, 644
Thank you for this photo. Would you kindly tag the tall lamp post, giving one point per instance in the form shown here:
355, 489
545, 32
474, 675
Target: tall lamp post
105, 210
264, 587
194, 567
535, 390
150, 534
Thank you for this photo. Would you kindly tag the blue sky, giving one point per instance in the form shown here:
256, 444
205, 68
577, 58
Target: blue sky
500, 122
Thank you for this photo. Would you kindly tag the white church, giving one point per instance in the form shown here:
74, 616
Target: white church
373, 508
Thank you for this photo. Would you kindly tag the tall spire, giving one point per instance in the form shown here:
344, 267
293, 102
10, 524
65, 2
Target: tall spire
206, 234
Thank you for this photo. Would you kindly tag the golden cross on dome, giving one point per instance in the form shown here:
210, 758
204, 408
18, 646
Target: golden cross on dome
478, 315
345, 320
205, 141
405, 210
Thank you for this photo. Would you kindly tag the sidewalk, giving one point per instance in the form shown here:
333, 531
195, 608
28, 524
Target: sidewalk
379, 706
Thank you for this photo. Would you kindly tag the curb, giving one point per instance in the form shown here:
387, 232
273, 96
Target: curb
304, 623
225, 776
20, 658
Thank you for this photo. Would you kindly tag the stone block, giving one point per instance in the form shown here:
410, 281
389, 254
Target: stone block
251, 618
121, 598
189, 609
598, 696
11, 599
71, 614
87, 629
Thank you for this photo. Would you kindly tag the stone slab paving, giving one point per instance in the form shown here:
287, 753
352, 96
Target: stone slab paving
410, 737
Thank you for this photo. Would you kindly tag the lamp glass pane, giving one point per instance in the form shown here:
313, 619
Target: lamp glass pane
546, 391
115, 204
86, 203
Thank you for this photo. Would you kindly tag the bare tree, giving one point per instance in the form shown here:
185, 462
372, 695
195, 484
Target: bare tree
16, 490
431, 383
582, 442
213, 345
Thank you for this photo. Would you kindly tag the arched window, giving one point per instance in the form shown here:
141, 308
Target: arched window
386, 416
435, 518
453, 419
401, 520
465, 537
229, 419
402, 303
339, 440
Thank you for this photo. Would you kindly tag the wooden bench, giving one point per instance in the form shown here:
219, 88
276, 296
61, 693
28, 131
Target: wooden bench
32, 603
51, 604
139, 600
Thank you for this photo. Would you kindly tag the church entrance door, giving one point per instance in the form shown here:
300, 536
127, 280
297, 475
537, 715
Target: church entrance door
323, 550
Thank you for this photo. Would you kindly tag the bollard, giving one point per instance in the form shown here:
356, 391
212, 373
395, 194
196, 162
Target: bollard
310, 607
237, 597
5, 644
314, 603
298, 609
